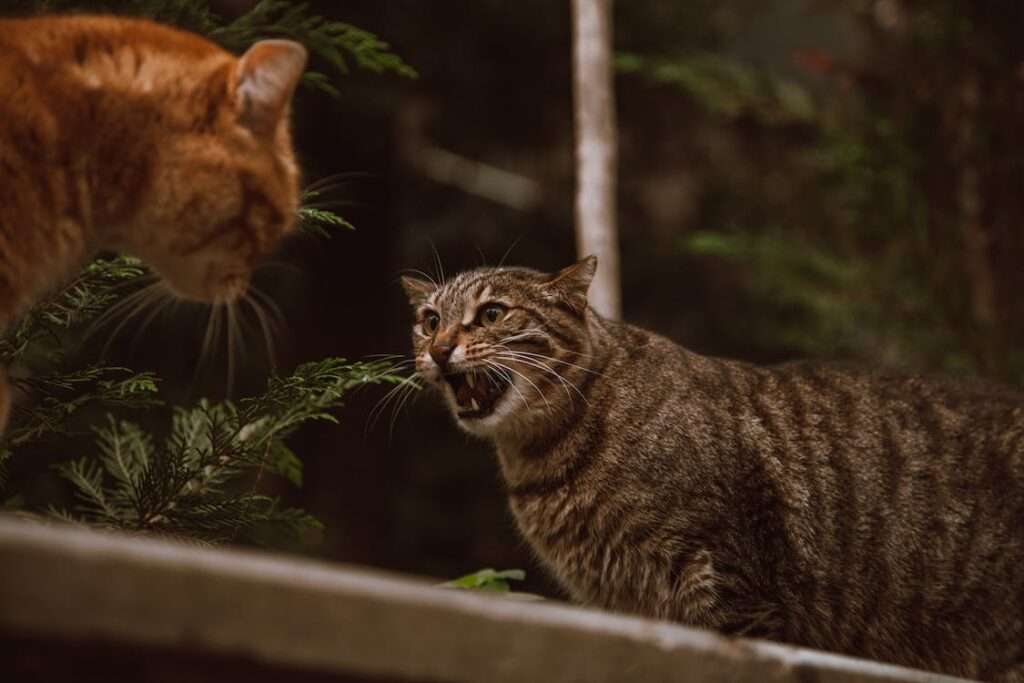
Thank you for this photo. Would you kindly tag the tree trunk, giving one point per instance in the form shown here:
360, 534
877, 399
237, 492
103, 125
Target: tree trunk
596, 152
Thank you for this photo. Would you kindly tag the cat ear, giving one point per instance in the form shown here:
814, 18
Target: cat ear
265, 78
571, 284
416, 289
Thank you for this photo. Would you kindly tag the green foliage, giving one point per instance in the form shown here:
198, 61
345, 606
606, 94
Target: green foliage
833, 207
726, 87
487, 580
336, 43
38, 333
316, 219
201, 480
333, 41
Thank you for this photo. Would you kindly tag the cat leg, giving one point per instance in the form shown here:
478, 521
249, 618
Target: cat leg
706, 597
694, 599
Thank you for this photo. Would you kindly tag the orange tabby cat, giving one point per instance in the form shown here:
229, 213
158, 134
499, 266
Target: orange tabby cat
126, 135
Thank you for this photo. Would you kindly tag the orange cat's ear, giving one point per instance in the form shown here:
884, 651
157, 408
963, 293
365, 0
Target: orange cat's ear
265, 78
416, 289
571, 284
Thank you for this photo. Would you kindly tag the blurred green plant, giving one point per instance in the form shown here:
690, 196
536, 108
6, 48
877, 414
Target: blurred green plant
861, 208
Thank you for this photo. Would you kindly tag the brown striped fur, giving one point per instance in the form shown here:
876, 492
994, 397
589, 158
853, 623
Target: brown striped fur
126, 135
860, 512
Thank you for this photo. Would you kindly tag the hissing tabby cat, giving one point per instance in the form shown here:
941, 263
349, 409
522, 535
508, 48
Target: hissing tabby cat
857, 512
126, 135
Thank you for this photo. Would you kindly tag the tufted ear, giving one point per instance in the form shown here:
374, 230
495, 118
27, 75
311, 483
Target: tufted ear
570, 284
416, 289
265, 78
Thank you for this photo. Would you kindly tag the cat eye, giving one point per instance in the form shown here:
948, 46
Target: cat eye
491, 314
431, 321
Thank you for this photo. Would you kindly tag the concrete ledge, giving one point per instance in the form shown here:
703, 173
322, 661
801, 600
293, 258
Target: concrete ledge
66, 584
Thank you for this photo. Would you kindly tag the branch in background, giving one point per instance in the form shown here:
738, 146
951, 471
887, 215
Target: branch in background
596, 150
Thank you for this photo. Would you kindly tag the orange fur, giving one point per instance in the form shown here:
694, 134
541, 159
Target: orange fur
126, 135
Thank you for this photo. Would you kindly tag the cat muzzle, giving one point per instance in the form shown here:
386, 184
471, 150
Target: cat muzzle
476, 391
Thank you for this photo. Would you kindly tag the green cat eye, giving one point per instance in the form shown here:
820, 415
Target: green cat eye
491, 314
430, 323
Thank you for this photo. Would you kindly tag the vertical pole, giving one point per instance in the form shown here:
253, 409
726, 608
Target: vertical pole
596, 150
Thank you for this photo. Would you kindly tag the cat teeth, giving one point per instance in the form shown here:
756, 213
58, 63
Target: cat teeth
473, 404
471, 380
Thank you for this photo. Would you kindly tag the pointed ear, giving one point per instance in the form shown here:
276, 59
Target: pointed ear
571, 284
265, 78
416, 289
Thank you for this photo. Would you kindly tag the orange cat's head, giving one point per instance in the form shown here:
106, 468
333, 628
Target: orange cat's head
206, 135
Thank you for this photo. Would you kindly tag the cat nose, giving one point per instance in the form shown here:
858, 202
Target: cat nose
441, 351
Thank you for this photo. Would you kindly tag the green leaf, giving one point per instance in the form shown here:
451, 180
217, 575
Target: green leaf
487, 580
283, 461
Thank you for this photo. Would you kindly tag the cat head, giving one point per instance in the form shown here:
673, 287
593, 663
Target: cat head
221, 184
507, 347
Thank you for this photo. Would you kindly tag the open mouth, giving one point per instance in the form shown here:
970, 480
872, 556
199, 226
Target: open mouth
476, 392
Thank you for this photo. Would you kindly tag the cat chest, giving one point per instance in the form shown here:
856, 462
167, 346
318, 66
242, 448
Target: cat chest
593, 547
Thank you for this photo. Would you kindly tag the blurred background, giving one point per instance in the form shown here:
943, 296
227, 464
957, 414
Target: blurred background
835, 179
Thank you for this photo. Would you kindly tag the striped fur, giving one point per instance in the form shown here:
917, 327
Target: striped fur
125, 135
860, 512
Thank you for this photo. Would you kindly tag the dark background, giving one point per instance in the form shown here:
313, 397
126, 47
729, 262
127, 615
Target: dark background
834, 179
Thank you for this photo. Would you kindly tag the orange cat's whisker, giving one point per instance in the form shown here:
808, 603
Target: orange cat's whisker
162, 300
211, 335
131, 306
268, 303
233, 340
267, 327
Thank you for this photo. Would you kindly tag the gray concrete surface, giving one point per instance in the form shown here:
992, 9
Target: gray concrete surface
66, 584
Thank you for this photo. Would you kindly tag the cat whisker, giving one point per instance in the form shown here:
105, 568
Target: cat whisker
331, 204
525, 334
509, 250
117, 308
437, 262
160, 302
210, 336
407, 384
424, 274
267, 328
134, 304
566, 384
276, 264
507, 377
268, 303
526, 379
542, 357
334, 181
235, 345
404, 398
